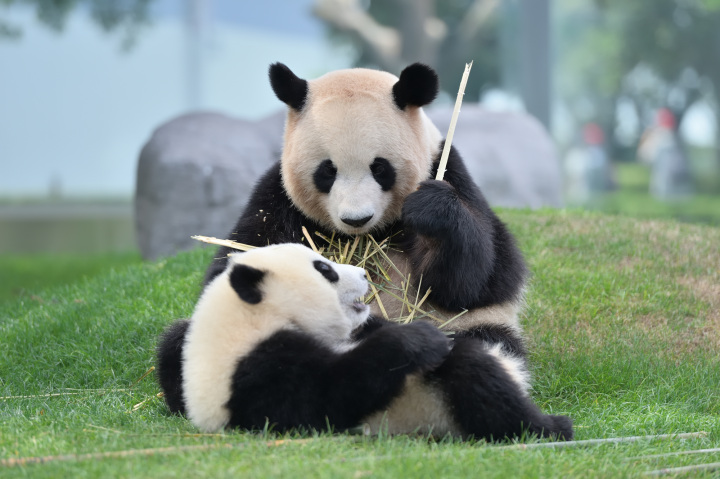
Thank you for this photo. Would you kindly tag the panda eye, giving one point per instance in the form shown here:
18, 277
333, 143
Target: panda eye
324, 176
326, 270
384, 173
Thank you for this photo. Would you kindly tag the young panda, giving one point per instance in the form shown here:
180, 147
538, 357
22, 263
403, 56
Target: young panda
271, 341
359, 156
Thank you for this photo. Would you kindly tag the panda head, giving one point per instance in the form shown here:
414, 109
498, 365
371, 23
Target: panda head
289, 286
357, 143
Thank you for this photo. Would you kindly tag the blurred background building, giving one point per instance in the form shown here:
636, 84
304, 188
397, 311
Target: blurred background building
628, 91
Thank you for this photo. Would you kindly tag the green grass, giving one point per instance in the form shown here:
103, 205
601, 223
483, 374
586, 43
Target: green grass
624, 321
25, 275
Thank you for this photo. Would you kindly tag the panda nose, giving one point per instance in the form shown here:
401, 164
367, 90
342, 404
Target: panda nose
356, 222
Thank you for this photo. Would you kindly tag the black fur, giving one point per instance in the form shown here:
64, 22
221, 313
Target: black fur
464, 253
357, 222
511, 340
486, 402
372, 324
384, 173
291, 380
324, 176
418, 86
289, 89
245, 280
326, 269
169, 364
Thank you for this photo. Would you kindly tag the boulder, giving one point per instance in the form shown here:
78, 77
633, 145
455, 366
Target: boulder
510, 155
194, 176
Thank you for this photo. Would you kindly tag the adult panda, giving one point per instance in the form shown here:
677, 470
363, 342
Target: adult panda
359, 155
271, 343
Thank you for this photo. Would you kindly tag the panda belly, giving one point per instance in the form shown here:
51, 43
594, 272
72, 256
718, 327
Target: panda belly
420, 408
505, 314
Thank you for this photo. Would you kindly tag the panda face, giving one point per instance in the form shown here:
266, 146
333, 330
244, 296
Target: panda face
350, 201
351, 155
290, 283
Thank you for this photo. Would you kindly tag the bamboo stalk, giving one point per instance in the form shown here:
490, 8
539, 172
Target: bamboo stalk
223, 242
73, 392
309, 238
152, 368
24, 461
673, 471
453, 121
377, 298
610, 440
677, 453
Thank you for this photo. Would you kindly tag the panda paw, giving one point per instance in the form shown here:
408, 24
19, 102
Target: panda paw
433, 210
425, 345
563, 428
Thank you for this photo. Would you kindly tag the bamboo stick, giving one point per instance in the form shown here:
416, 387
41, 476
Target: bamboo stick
673, 471
676, 453
223, 242
610, 440
24, 461
453, 121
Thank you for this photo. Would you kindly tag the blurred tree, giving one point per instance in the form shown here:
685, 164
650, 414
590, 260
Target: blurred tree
660, 53
444, 34
110, 15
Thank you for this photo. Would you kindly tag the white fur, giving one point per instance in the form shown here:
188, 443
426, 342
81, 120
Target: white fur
225, 328
420, 408
514, 366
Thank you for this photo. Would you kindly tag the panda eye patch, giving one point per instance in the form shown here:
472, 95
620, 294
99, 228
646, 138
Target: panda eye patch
384, 173
324, 176
326, 270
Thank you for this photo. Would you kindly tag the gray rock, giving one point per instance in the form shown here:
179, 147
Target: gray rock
194, 176
510, 155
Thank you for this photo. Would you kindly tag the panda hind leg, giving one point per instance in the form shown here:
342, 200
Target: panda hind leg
487, 402
169, 364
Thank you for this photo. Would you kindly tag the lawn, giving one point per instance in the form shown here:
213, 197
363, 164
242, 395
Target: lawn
623, 316
23, 275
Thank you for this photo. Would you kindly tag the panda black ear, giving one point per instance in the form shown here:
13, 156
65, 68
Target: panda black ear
417, 86
245, 280
289, 89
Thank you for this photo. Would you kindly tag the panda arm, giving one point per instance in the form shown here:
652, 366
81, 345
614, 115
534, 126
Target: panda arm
292, 380
367, 378
462, 250
370, 326
269, 218
280, 382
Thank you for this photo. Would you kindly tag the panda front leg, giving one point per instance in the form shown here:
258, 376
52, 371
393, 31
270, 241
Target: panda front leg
463, 251
367, 378
450, 245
